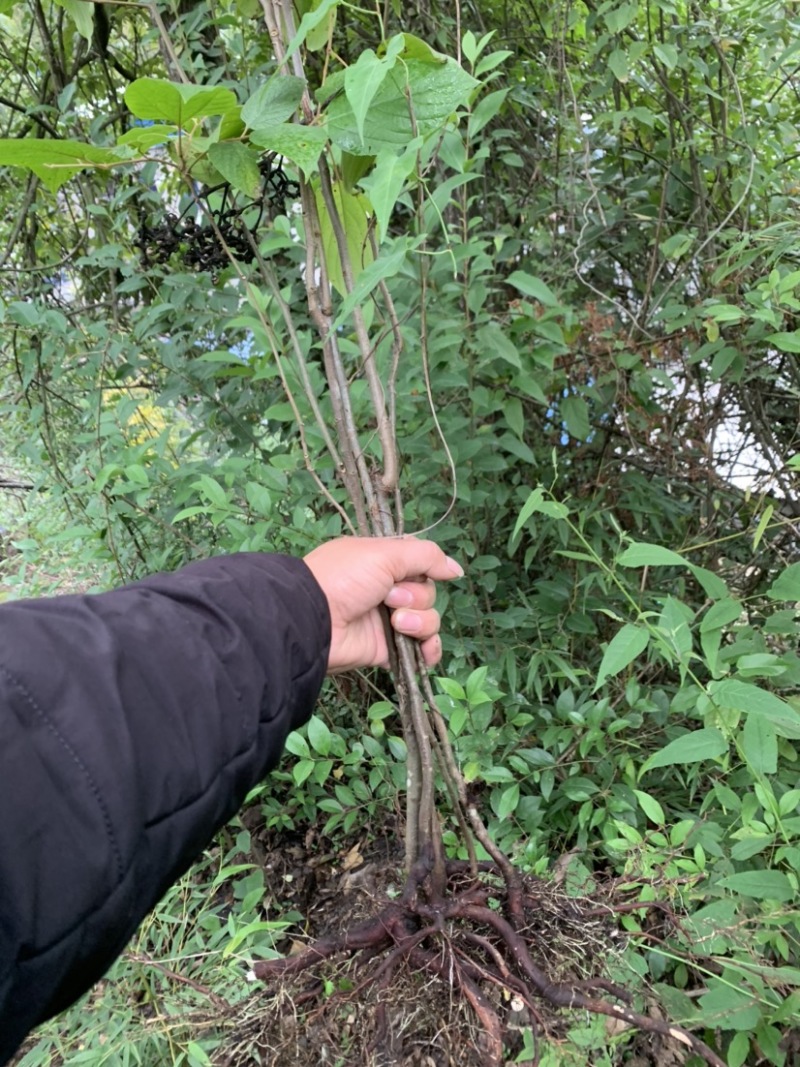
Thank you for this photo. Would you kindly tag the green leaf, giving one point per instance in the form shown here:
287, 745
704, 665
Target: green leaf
364, 78
354, 211
345, 795
297, 745
241, 935
710, 642
259, 498
273, 102
729, 1007
528, 508
476, 683
785, 342
469, 46
353, 168
514, 415
197, 1054
536, 502
723, 360
383, 267
620, 16
154, 98
747, 847
82, 14
676, 246
497, 774
380, 710
485, 110
494, 59
787, 585
452, 688
724, 313
412, 47
231, 127
789, 281
319, 736
651, 807
528, 385
751, 699
431, 91
622, 650
721, 614
398, 748
712, 585
674, 625
693, 747
575, 412
509, 801
533, 287
706, 926
55, 162
760, 665
238, 165
667, 54
303, 769
761, 885
303, 145
618, 65
386, 181
212, 490
763, 522
760, 744
579, 788
497, 345
143, 138
321, 15
189, 513
642, 554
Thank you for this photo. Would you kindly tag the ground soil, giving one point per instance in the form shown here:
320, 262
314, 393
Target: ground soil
348, 1012
345, 1013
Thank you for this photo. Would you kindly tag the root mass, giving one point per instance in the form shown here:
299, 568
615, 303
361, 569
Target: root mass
475, 937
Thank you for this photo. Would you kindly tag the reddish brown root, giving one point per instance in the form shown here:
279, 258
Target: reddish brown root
456, 938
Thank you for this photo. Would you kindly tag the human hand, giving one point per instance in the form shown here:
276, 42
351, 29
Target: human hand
358, 574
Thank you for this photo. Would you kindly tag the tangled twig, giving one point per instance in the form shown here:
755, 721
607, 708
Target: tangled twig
458, 938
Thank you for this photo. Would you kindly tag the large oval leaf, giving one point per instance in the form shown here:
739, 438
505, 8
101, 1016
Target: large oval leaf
694, 747
761, 885
623, 649
432, 91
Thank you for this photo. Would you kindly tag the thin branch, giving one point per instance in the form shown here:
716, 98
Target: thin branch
384, 427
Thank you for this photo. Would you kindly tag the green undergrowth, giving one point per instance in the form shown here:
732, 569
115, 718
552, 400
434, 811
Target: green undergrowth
647, 789
589, 246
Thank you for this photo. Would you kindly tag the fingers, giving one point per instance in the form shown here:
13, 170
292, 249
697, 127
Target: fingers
357, 574
432, 650
424, 627
419, 624
417, 595
414, 599
407, 558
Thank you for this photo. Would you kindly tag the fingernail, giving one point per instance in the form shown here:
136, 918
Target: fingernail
456, 568
399, 597
407, 621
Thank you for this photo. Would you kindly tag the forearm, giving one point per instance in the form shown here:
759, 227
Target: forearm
132, 724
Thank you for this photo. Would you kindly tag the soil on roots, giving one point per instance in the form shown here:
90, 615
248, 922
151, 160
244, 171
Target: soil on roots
399, 979
413, 985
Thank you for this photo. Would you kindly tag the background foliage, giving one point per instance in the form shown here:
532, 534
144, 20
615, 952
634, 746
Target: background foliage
599, 265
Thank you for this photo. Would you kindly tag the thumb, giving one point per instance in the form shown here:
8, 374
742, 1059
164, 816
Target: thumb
407, 558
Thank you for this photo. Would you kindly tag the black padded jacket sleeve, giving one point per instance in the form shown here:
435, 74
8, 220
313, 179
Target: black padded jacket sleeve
132, 725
